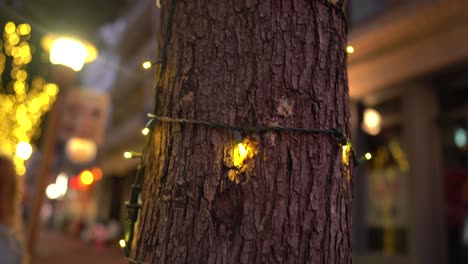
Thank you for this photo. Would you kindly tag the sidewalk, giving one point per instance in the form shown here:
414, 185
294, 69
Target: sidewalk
55, 248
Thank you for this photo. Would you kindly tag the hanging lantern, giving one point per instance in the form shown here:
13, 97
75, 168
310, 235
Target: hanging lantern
80, 150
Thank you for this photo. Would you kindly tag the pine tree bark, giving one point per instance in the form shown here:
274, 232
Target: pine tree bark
249, 63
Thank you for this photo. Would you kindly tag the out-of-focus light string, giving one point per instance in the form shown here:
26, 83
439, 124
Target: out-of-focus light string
133, 206
335, 133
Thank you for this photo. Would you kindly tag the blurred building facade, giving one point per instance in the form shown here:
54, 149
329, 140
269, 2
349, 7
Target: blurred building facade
410, 63
131, 90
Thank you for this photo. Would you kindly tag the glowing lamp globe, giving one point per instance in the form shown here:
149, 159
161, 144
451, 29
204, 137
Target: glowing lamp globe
80, 150
70, 52
53, 191
24, 150
372, 121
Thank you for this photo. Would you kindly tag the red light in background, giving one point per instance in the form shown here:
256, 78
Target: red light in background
74, 184
97, 173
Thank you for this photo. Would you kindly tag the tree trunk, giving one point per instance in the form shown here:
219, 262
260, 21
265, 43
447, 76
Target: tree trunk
248, 63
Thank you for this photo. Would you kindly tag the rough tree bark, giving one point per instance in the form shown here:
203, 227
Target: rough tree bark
249, 62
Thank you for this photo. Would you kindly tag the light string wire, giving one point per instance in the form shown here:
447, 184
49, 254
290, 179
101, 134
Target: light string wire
335, 133
133, 206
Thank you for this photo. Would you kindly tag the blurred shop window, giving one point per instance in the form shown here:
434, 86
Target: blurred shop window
387, 203
383, 224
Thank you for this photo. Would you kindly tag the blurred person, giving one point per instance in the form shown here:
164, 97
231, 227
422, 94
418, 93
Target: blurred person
11, 248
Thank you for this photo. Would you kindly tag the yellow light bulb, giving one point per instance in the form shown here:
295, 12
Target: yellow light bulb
51, 89
10, 27
87, 177
346, 150
122, 243
147, 64
368, 156
20, 170
145, 131
23, 29
127, 155
350, 49
242, 150
240, 154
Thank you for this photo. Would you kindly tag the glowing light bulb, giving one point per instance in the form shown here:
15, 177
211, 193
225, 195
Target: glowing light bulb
372, 121
23, 29
368, 156
350, 49
62, 183
52, 191
240, 154
122, 243
242, 150
127, 155
10, 27
145, 131
24, 150
131, 154
147, 64
68, 52
86, 177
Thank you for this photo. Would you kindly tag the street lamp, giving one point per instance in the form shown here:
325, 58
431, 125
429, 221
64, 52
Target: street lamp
68, 51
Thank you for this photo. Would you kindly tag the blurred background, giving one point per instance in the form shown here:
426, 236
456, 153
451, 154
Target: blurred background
408, 83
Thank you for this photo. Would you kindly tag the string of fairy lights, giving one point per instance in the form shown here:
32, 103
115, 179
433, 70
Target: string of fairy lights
23, 104
239, 132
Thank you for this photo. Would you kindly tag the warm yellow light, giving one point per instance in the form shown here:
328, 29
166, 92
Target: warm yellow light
80, 150
368, 156
97, 173
345, 154
13, 39
19, 86
240, 154
372, 121
127, 155
51, 89
147, 64
68, 52
23, 29
86, 177
24, 150
10, 27
122, 243
20, 170
16, 52
27, 59
21, 75
52, 191
145, 131
61, 183
350, 49
48, 41
242, 150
